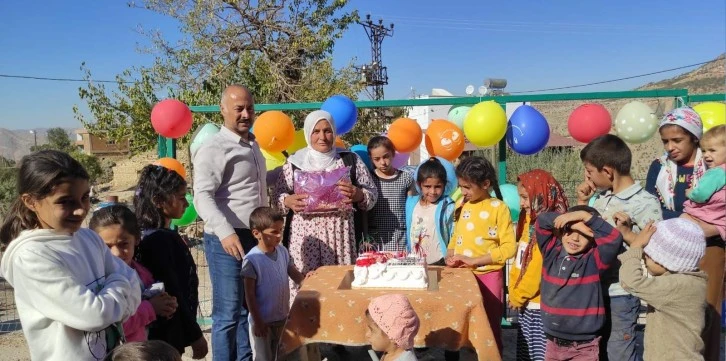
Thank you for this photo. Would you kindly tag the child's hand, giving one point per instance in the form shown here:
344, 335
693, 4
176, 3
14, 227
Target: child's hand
308, 275
453, 261
624, 224
260, 329
584, 191
582, 228
518, 308
572, 217
164, 304
199, 348
622, 219
642, 239
465, 261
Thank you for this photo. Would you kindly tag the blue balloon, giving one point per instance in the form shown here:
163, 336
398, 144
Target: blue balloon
343, 111
362, 151
527, 131
511, 199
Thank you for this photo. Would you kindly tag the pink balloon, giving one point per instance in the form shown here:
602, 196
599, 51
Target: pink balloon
171, 118
400, 160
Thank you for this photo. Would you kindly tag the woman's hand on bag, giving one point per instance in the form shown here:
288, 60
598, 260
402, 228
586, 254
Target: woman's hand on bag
353, 193
296, 202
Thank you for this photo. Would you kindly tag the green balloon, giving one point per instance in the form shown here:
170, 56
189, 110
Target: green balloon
511, 199
189, 216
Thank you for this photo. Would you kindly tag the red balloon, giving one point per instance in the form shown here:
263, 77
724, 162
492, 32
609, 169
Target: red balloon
588, 122
171, 118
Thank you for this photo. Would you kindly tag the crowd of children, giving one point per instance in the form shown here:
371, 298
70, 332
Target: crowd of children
576, 279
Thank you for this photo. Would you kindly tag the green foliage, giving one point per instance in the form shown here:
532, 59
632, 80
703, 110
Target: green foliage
280, 49
8, 189
58, 139
563, 163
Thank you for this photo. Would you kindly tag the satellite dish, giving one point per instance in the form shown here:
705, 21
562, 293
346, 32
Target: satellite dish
469, 90
483, 90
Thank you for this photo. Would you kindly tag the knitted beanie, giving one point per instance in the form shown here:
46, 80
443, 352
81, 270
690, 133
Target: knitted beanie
685, 117
677, 244
396, 318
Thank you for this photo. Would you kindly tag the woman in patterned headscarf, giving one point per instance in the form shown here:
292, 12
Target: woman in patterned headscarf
539, 192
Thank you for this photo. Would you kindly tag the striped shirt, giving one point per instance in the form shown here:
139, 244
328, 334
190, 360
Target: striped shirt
572, 293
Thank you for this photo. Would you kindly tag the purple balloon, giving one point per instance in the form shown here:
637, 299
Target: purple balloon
400, 160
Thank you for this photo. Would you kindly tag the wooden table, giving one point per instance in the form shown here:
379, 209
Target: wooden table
326, 310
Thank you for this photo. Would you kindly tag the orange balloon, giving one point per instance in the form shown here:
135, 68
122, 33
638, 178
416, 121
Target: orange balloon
444, 139
339, 143
405, 134
172, 164
274, 131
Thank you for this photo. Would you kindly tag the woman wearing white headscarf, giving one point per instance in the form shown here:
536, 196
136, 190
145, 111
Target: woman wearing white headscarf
319, 239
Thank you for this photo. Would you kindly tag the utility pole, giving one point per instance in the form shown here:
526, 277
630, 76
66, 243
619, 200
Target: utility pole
374, 74
35, 138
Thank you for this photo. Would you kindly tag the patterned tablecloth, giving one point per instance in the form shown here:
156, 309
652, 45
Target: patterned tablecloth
452, 317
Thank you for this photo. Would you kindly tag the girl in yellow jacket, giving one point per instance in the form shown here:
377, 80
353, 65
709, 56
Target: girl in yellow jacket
483, 237
539, 192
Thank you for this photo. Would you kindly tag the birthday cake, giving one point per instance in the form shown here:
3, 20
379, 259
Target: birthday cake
390, 270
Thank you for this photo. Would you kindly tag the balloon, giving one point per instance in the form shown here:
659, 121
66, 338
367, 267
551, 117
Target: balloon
712, 114
362, 151
457, 114
444, 139
189, 216
511, 199
273, 159
298, 142
589, 121
201, 135
343, 111
528, 131
172, 164
171, 118
485, 124
340, 143
405, 134
400, 160
635, 122
274, 131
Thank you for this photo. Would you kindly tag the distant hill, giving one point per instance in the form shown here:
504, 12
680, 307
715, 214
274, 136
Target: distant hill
14, 144
707, 79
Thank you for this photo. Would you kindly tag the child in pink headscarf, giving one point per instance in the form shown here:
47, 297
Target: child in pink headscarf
392, 325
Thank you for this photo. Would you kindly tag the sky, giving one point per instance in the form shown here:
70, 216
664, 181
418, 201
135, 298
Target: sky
435, 44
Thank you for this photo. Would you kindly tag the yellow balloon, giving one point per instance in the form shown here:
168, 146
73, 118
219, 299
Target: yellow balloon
273, 159
485, 124
298, 142
712, 114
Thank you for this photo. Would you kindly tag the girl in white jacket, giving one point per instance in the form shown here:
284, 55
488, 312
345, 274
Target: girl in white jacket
71, 293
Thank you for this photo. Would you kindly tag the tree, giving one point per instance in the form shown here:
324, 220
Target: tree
58, 139
280, 49
8, 188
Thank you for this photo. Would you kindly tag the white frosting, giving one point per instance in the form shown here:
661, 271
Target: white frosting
391, 274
